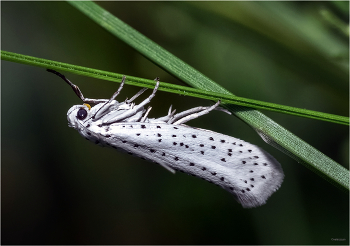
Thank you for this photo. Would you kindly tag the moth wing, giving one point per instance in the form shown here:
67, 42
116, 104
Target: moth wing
245, 170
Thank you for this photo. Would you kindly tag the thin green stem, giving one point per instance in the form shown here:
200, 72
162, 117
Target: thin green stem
181, 90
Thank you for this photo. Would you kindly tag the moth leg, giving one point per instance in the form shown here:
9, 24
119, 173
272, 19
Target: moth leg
195, 115
119, 89
170, 108
186, 113
76, 89
145, 116
192, 111
223, 110
106, 106
167, 167
136, 95
170, 113
136, 117
139, 93
131, 112
169, 116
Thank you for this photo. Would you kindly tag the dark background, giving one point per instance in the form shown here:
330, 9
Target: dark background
58, 188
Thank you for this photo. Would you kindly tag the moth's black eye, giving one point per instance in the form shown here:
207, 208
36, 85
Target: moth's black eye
81, 114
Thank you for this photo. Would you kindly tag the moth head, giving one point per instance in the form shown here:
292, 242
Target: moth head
78, 114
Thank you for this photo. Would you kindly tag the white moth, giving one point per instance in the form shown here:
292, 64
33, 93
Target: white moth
243, 169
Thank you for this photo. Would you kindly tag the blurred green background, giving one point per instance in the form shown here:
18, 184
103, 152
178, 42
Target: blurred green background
58, 188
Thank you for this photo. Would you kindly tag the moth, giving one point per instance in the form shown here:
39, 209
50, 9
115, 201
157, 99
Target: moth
245, 170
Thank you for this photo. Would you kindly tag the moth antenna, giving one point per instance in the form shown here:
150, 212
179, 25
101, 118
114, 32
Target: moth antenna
74, 87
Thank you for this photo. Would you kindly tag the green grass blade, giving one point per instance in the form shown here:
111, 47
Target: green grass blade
271, 132
181, 90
